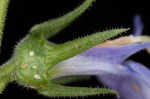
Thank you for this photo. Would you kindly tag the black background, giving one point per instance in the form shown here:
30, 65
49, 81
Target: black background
102, 15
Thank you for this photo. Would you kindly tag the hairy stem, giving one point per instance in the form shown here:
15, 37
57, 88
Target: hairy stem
3, 11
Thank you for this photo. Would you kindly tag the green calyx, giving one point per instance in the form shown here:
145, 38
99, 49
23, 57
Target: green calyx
35, 57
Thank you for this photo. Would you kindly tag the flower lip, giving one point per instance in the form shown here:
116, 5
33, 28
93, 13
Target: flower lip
115, 54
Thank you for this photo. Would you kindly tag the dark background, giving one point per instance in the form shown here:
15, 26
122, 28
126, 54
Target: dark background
102, 15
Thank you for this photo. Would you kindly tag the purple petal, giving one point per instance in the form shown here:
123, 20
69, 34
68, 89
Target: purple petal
80, 65
127, 86
139, 70
115, 54
138, 25
130, 85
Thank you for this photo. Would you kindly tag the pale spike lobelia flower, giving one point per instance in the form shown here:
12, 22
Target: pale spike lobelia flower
109, 62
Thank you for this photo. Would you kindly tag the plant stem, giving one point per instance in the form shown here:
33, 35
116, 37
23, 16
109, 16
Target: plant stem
3, 11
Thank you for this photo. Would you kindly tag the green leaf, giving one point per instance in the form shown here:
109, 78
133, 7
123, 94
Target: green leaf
52, 27
3, 10
55, 90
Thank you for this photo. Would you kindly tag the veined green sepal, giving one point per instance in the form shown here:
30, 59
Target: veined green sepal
55, 90
54, 26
